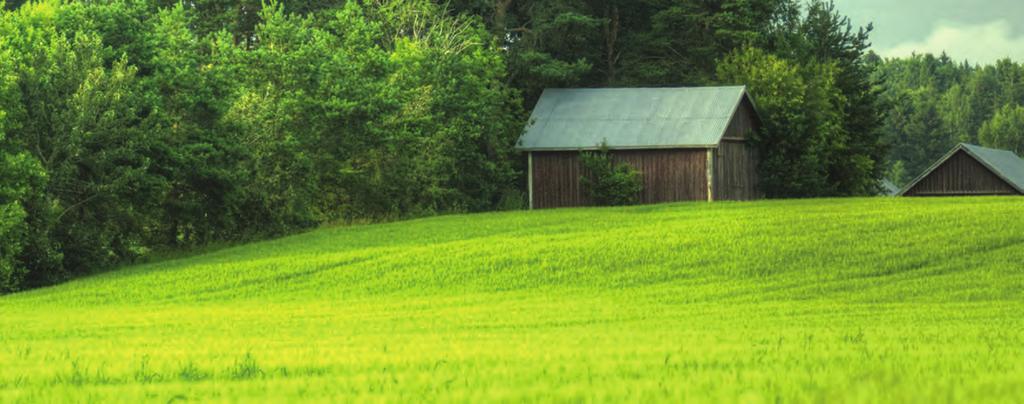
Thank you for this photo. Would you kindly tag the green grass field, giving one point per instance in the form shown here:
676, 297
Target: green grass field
860, 300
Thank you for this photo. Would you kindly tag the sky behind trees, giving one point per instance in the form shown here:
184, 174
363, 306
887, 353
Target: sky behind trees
981, 31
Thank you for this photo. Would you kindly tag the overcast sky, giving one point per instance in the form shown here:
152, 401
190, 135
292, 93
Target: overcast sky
981, 31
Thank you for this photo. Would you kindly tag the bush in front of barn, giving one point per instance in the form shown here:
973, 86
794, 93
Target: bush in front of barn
608, 183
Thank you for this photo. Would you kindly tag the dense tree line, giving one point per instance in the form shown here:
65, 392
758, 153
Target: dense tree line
133, 125
125, 130
805, 65
935, 102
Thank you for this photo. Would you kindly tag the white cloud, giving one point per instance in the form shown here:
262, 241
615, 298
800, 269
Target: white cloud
983, 43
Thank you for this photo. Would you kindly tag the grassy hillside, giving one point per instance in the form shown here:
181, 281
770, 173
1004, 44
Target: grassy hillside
860, 300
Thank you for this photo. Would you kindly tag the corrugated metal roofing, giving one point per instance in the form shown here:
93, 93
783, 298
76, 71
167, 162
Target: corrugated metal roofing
1003, 163
631, 118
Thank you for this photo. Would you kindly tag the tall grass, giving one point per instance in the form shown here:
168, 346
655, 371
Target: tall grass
860, 300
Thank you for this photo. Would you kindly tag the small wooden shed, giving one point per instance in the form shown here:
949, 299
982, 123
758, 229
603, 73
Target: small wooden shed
971, 170
690, 144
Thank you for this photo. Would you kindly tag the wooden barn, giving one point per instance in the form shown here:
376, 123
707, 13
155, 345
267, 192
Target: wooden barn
690, 144
971, 170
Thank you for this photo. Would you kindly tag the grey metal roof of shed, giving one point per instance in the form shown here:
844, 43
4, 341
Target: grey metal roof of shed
631, 118
1003, 163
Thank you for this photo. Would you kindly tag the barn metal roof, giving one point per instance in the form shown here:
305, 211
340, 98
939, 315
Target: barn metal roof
631, 118
1003, 163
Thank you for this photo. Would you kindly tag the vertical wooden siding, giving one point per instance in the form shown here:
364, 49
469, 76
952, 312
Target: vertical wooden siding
961, 174
736, 172
668, 175
556, 180
735, 162
743, 123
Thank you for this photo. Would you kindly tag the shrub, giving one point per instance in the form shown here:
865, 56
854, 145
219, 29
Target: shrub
608, 183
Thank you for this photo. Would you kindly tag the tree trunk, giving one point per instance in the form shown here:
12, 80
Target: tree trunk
500, 19
611, 35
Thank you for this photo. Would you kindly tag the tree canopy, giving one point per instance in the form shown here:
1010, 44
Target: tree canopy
935, 102
131, 126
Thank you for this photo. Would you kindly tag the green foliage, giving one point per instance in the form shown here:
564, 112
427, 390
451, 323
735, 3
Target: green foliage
20, 173
622, 43
12, 230
845, 300
78, 115
839, 150
160, 126
382, 112
607, 182
1005, 130
820, 103
681, 43
797, 148
203, 196
936, 103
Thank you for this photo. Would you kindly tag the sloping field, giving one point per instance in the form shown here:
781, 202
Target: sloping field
862, 300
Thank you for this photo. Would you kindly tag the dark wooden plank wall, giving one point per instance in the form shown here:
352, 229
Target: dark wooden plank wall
736, 163
743, 123
735, 172
668, 175
961, 175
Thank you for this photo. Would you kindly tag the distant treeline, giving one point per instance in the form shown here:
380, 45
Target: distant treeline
933, 103
137, 125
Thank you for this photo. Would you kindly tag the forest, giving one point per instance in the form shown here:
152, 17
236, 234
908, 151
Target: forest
933, 103
130, 127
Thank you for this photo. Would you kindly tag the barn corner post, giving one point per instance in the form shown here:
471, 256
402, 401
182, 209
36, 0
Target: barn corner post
529, 177
711, 175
